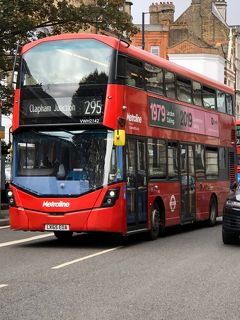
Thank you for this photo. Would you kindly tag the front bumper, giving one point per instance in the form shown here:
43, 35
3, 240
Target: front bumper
99, 219
231, 219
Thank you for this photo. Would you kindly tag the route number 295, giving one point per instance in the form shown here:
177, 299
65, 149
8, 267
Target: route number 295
93, 107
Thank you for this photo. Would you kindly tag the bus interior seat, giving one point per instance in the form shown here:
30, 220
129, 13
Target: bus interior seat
61, 171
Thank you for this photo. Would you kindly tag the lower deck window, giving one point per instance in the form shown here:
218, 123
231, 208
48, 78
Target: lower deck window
157, 158
211, 163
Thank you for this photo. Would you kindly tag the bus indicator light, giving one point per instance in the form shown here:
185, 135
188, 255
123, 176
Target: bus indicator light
119, 138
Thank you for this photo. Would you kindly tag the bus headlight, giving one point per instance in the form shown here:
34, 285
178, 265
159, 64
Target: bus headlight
111, 197
10, 197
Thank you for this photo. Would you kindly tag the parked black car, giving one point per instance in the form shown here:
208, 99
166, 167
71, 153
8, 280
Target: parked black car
231, 216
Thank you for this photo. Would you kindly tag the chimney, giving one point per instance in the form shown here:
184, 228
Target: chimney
127, 7
222, 8
162, 13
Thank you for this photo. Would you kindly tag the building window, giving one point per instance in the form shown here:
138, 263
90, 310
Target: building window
155, 50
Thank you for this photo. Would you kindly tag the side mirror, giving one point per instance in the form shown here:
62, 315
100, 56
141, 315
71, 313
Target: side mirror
119, 138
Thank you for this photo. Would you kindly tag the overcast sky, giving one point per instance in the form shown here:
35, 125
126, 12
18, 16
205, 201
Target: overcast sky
139, 6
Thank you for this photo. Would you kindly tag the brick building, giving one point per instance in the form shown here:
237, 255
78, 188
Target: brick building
155, 39
236, 52
199, 39
201, 35
156, 34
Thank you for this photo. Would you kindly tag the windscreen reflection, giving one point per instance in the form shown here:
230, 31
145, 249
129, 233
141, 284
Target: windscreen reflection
67, 61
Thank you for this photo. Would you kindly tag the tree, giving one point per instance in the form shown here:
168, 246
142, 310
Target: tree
5, 148
25, 20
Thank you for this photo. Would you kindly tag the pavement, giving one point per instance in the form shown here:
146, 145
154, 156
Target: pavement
4, 214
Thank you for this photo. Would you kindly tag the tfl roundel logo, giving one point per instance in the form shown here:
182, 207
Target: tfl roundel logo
172, 203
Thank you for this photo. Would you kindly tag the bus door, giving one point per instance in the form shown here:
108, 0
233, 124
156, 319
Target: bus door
188, 183
136, 177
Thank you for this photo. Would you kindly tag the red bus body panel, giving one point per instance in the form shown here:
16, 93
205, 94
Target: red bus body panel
86, 213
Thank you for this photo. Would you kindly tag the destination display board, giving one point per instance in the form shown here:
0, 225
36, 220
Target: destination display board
84, 108
175, 116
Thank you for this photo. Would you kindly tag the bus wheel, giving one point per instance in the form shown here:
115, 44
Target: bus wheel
213, 210
162, 228
63, 235
155, 223
229, 237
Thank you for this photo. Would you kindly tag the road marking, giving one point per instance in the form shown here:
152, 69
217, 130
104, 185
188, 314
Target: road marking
4, 227
85, 258
3, 285
10, 243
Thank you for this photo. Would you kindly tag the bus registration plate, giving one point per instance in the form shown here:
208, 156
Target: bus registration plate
57, 227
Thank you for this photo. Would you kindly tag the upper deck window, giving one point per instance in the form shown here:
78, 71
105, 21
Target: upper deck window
209, 98
135, 73
197, 93
184, 89
229, 102
84, 61
154, 78
170, 84
221, 103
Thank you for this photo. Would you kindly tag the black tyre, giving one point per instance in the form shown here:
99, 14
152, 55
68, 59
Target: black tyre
63, 235
213, 212
229, 237
162, 228
155, 223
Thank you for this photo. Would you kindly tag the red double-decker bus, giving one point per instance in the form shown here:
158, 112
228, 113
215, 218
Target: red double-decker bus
238, 149
107, 137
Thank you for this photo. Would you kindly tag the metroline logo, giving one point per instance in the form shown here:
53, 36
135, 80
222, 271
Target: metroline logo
53, 204
134, 118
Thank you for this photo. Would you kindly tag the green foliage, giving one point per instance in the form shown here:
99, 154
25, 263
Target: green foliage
25, 20
5, 147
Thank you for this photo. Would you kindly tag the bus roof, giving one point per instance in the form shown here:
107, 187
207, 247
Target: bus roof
137, 53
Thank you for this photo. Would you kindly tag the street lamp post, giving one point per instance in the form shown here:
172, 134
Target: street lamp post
143, 23
143, 26
143, 31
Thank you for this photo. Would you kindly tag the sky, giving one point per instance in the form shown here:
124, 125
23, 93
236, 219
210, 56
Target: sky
139, 6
